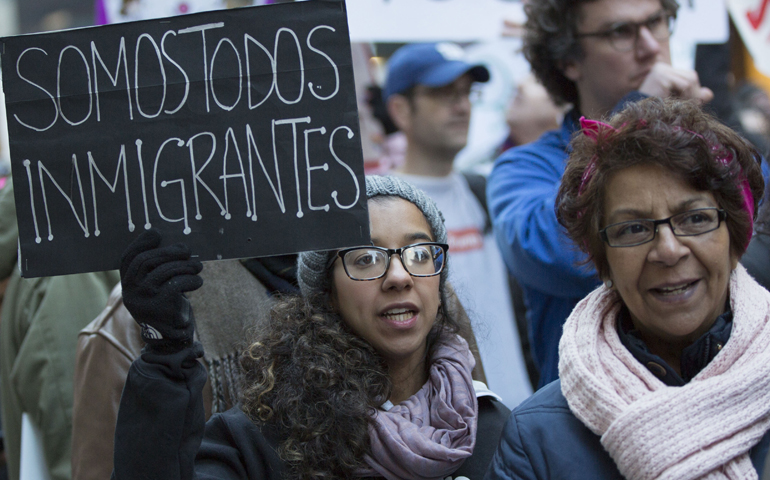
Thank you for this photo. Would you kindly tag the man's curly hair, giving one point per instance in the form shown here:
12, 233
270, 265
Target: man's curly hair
318, 385
550, 43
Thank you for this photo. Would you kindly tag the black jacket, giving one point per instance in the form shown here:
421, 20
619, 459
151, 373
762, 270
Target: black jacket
757, 259
160, 430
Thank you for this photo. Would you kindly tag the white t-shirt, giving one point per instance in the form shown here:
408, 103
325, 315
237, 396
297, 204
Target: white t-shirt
478, 275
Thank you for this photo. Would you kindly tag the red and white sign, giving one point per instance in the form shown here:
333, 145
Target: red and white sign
465, 240
752, 18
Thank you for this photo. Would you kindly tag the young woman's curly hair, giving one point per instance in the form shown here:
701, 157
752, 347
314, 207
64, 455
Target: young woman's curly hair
318, 384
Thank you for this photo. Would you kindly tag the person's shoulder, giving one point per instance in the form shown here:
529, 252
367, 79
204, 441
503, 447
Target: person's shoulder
546, 411
546, 155
491, 406
233, 442
234, 427
547, 400
543, 438
551, 142
114, 328
756, 259
239, 425
492, 416
234, 420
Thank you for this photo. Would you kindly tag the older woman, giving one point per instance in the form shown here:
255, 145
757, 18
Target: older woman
364, 376
665, 369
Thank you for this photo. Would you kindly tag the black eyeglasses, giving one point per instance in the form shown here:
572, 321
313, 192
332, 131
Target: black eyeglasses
370, 263
685, 224
623, 36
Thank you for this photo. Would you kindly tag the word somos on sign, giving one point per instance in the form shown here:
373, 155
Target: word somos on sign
247, 71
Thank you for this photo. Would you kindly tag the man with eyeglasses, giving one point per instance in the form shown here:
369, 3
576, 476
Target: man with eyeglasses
596, 55
428, 93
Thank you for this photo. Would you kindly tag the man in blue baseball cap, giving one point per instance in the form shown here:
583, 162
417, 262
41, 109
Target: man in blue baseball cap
428, 95
428, 91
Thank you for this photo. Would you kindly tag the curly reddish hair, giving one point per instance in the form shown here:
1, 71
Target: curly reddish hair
676, 135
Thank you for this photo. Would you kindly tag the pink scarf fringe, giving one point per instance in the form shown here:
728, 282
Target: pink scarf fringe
704, 429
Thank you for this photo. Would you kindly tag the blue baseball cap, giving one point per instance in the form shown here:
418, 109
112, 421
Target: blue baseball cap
429, 64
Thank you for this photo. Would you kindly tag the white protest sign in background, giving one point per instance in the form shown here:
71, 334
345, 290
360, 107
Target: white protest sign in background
704, 21
752, 18
430, 20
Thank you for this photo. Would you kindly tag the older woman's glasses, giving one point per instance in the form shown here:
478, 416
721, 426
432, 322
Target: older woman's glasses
371, 263
686, 224
623, 36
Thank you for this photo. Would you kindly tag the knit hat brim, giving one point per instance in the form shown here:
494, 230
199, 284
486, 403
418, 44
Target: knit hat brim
313, 273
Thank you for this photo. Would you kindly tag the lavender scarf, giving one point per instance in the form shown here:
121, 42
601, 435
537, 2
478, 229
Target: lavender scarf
429, 435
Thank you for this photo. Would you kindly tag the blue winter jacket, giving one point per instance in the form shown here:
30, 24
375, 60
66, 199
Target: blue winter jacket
543, 439
521, 192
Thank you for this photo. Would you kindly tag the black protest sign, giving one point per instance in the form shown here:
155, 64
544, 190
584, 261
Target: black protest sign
233, 131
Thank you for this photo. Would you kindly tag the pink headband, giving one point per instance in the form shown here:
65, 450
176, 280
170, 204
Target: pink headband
591, 129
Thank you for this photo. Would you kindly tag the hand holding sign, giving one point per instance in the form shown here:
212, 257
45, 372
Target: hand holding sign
154, 280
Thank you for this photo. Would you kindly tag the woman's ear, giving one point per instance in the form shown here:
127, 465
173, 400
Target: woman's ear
572, 70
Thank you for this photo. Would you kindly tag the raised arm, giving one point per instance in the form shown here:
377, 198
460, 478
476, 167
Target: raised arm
522, 190
161, 418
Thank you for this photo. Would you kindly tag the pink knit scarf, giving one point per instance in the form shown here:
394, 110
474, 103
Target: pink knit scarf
703, 429
429, 435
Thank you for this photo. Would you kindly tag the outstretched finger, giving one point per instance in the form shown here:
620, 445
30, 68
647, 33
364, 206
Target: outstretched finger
705, 94
166, 272
148, 240
146, 262
184, 283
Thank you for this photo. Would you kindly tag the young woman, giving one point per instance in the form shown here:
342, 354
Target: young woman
365, 375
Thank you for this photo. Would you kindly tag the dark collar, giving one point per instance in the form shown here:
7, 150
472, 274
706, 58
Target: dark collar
694, 358
571, 120
278, 274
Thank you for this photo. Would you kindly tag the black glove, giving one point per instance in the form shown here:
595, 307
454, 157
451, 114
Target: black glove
154, 280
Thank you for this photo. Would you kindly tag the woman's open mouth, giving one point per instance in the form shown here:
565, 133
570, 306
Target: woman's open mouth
399, 315
675, 292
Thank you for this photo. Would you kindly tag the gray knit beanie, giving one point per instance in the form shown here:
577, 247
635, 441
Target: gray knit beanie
312, 272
